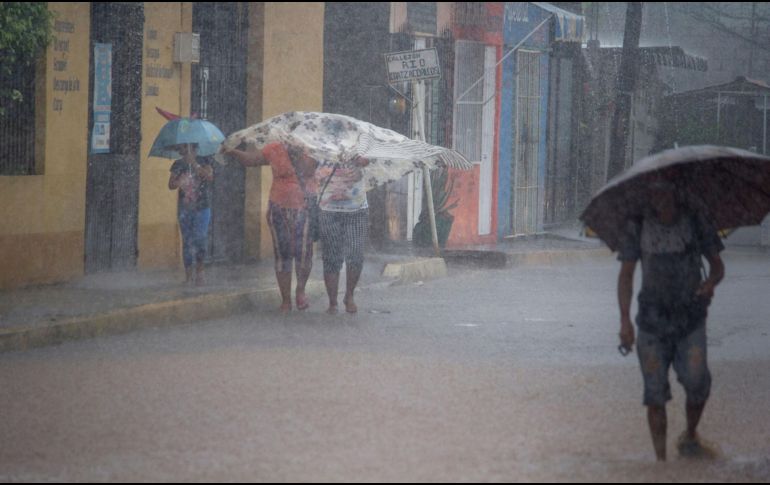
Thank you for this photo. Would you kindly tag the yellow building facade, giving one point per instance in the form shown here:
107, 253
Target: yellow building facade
292, 80
43, 215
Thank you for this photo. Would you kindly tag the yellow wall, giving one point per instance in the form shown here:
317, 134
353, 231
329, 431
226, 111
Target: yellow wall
166, 85
42, 218
42, 221
253, 225
292, 77
45, 214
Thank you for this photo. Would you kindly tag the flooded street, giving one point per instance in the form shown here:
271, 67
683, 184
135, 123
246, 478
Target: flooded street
469, 378
384, 241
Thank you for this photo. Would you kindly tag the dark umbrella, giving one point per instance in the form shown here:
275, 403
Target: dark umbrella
730, 186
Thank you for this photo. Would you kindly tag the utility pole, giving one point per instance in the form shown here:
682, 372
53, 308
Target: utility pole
627, 76
752, 46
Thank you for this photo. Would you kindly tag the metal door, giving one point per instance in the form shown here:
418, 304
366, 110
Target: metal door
112, 188
526, 190
219, 95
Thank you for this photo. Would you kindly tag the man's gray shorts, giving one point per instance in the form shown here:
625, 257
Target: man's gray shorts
688, 356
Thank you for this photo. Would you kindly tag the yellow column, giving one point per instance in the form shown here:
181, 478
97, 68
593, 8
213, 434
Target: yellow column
166, 84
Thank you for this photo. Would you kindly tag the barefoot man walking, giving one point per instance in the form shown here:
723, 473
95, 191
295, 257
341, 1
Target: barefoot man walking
673, 303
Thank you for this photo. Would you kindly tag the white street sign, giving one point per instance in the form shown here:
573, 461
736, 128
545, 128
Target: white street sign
413, 65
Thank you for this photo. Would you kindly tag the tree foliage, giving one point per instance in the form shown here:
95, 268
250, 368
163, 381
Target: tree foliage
25, 30
747, 21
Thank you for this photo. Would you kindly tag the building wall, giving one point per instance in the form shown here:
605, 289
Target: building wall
465, 230
516, 27
43, 216
399, 21
292, 77
158, 238
253, 225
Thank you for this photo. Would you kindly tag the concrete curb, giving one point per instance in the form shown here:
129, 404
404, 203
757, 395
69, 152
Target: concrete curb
505, 260
558, 257
129, 319
476, 259
222, 305
173, 312
413, 271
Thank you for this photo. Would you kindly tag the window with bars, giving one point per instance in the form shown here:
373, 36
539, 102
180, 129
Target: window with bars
526, 150
469, 99
421, 17
17, 124
470, 13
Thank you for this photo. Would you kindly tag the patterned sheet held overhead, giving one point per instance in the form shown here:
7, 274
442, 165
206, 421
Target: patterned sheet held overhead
333, 138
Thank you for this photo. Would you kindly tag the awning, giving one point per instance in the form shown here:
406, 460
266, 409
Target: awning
569, 27
740, 86
673, 56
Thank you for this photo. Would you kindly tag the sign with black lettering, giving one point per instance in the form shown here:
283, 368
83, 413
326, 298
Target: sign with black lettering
413, 65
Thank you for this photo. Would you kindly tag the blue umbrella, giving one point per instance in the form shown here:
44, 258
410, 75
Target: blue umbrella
185, 130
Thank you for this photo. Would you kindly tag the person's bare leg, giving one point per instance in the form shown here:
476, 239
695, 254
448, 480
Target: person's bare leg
351, 281
690, 444
332, 281
284, 286
694, 413
189, 276
302, 277
200, 280
656, 417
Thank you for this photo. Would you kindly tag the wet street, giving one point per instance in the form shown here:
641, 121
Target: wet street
507, 375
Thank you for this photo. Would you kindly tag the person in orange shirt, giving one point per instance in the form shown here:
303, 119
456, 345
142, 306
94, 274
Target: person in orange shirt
287, 216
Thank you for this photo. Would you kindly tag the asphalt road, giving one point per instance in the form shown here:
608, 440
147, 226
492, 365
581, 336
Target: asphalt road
508, 375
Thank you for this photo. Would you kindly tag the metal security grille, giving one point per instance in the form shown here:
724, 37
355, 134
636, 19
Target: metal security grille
17, 125
561, 177
438, 114
524, 208
470, 13
468, 111
219, 95
421, 17
112, 188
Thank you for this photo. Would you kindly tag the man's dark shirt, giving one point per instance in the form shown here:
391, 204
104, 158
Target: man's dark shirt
671, 258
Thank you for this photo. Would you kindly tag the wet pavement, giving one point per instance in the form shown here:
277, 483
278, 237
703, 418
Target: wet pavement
509, 375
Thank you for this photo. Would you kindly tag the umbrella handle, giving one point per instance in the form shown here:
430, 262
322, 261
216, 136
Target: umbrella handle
336, 166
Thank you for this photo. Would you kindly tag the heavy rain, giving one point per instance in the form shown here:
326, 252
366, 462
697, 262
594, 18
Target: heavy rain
384, 242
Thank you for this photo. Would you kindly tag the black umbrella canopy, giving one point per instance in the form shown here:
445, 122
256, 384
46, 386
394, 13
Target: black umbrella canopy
730, 186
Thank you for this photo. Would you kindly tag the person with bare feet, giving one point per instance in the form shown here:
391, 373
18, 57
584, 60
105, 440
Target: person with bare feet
670, 240
191, 176
288, 216
343, 225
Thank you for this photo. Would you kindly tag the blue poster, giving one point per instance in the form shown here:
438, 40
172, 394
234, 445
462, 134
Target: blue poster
100, 137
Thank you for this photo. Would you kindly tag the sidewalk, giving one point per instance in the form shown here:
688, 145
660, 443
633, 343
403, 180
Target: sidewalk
113, 303
558, 246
